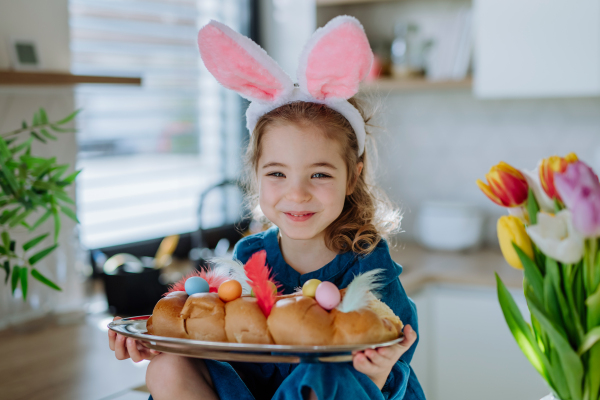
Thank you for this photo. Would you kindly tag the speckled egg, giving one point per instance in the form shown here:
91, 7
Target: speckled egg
230, 290
327, 295
309, 289
195, 284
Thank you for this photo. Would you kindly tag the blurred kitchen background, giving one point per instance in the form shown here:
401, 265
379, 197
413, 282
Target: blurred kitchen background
457, 86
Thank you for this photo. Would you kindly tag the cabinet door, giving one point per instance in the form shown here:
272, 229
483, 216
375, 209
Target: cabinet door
537, 48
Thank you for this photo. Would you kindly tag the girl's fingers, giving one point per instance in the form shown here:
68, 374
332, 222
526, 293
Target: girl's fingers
133, 351
410, 336
375, 357
112, 335
120, 349
391, 352
362, 364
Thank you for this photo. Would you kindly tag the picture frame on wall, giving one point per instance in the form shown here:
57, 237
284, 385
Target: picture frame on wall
24, 54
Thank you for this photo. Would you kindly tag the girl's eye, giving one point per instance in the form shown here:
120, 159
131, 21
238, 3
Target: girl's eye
276, 174
320, 175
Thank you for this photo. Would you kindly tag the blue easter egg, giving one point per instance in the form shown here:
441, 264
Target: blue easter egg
195, 284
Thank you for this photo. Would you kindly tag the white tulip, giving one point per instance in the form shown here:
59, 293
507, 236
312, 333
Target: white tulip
533, 180
555, 237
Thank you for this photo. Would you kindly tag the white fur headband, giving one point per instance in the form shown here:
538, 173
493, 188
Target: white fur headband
334, 61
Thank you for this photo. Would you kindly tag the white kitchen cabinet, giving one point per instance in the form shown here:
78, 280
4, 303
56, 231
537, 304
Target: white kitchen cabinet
466, 351
536, 48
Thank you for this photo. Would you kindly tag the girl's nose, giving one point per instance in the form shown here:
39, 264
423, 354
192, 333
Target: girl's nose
298, 192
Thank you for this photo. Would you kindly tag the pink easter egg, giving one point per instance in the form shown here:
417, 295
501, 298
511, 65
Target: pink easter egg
327, 295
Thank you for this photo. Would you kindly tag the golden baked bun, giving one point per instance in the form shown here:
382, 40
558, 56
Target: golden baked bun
384, 311
166, 316
245, 322
361, 327
205, 317
300, 320
149, 327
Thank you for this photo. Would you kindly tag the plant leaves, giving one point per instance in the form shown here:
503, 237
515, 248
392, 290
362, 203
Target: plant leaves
56, 224
35, 241
23, 145
68, 117
569, 360
23, 273
43, 116
38, 256
38, 137
62, 130
41, 220
532, 207
15, 278
37, 275
521, 330
590, 339
6, 215
48, 134
6, 267
17, 219
10, 177
61, 195
71, 177
6, 239
4, 149
532, 273
69, 213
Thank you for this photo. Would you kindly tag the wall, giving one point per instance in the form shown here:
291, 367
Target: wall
47, 23
436, 144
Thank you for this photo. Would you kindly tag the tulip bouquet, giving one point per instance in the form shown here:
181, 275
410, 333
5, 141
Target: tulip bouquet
552, 233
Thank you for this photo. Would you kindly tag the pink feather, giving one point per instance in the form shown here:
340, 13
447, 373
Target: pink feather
209, 275
258, 274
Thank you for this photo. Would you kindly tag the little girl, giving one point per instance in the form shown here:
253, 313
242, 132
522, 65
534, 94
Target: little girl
307, 171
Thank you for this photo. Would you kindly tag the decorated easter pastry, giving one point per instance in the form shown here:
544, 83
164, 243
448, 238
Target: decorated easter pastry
218, 306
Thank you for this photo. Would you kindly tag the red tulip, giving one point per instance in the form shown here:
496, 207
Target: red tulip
551, 166
506, 186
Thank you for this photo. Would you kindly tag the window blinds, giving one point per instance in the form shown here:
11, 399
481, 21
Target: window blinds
148, 152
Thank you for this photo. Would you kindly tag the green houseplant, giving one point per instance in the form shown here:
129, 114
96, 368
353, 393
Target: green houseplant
32, 191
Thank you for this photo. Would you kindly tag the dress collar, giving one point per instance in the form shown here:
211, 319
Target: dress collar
288, 276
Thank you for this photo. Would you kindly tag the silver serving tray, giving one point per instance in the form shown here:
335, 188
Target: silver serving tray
135, 327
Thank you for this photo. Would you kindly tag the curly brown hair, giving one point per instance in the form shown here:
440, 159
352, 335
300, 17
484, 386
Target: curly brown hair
367, 215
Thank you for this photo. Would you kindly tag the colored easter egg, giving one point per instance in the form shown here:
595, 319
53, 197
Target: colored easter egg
309, 289
230, 290
327, 295
195, 284
273, 287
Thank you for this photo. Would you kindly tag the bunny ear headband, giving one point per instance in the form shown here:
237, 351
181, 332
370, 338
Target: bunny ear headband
334, 61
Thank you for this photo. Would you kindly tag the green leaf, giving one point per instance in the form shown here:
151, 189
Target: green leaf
35, 241
6, 266
4, 149
569, 360
61, 195
48, 134
6, 215
56, 224
38, 256
521, 330
6, 239
17, 219
590, 339
36, 119
69, 213
37, 275
68, 117
23, 145
532, 273
38, 137
24, 124
43, 116
557, 206
532, 207
63, 130
41, 220
71, 178
593, 308
10, 177
16, 273
12, 245
23, 273
59, 170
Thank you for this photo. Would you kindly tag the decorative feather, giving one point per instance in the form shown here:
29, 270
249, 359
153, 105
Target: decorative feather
213, 276
236, 271
258, 274
357, 292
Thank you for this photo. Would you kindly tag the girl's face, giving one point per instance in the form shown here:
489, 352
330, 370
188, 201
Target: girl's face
302, 180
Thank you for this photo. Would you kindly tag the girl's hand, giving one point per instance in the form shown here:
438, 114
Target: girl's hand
377, 363
125, 347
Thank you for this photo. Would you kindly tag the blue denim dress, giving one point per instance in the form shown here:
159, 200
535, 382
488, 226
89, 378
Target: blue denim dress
242, 381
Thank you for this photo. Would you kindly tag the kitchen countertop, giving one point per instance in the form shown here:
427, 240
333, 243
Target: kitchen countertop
476, 267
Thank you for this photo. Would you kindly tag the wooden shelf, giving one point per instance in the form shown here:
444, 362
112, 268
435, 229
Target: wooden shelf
349, 2
43, 78
387, 84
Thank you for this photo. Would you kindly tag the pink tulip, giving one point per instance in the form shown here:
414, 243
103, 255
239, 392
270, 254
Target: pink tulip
579, 189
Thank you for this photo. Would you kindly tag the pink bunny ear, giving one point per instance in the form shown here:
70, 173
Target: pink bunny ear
335, 59
240, 64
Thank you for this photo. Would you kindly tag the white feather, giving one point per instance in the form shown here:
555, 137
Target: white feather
357, 293
234, 270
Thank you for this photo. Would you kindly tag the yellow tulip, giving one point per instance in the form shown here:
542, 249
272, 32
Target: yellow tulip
511, 230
